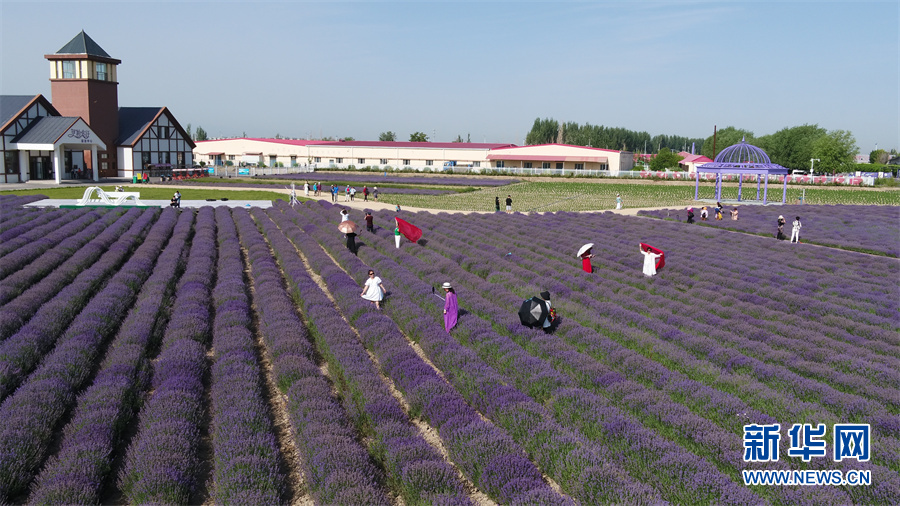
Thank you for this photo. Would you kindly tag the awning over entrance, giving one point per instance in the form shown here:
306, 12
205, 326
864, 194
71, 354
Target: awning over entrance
57, 134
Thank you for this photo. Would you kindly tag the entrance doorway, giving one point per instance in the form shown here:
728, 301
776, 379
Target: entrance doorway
41, 168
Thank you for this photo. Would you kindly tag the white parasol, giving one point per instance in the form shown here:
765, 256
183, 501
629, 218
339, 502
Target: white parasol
584, 249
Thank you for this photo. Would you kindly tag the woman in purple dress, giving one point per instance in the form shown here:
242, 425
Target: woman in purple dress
451, 307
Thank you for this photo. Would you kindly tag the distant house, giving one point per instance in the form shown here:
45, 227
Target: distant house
690, 162
84, 133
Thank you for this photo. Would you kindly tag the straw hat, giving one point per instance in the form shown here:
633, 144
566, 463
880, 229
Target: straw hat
447, 285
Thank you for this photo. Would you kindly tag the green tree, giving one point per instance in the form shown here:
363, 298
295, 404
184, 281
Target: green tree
665, 159
418, 137
388, 136
188, 131
347, 139
725, 137
544, 131
879, 156
277, 136
200, 134
459, 139
836, 152
792, 146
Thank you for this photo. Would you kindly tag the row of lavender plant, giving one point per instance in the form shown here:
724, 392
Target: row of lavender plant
35, 246
413, 468
335, 466
246, 457
14, 216
841, 226
471, 229
17, 201
27, 232
567, 457
78, 473
594, 422
32, 413
163, 463
21, 352
62, 265
376, 178
636, 448
484, 453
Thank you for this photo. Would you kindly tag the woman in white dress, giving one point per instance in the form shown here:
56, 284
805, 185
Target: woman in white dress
373, 290
649, 261
345, 215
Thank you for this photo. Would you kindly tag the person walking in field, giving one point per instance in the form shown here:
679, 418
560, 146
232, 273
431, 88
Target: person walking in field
779, 234
690, 215
370, 227
397, 236
373, 289
509, 204
365, 193
375, 193
795, 230
618, 201
497, 204
451, 307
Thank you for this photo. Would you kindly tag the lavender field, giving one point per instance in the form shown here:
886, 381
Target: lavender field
873, 229
226, 356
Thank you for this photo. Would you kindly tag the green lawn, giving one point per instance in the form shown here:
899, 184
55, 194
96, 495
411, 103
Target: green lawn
299, 183
576, 196
76, 192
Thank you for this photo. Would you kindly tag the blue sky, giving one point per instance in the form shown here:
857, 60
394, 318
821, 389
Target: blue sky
485, 69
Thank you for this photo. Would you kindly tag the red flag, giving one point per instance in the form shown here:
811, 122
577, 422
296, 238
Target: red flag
661, 261
411, 232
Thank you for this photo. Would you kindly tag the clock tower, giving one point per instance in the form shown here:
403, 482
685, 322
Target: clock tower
83, 83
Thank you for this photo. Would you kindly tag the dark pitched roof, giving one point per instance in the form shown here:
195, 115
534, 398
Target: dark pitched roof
133, 121
46, 130
10, 105
83, 44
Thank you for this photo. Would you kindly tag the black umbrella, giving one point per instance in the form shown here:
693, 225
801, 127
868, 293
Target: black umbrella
533, 312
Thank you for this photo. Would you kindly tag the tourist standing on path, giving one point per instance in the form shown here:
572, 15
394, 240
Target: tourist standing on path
451, 307
618, 201
649, 261
375, 193
366, 193
795, 230
347, 194
508, 204
306, 188
334, 192
780, 233
370, 226
397, 236
373, 289
497, 204
352, 193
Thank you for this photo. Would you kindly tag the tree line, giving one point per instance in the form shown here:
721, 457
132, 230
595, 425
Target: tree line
550, 131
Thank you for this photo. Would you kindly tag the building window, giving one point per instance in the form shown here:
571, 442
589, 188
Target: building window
383, 161
361, 161
559, 165
103, 166
526, 165
179, 158
101, 72
11, 161
317, 159
476, 164
579, 166
162, 132
145, 159
429, 162
500, 164
340, 160
293, 161
405, 162
545, 165
68, 70
231, 157
167, 157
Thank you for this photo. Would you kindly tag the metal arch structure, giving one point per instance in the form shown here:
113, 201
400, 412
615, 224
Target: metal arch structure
741, 159
94, 195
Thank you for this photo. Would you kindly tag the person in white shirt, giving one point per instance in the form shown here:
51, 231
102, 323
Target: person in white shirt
373, 290
649, 261
795, 230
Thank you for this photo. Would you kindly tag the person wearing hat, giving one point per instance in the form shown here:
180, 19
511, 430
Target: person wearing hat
375, 193
585, 253
618, 201
780, 233
690, 215
451, 307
